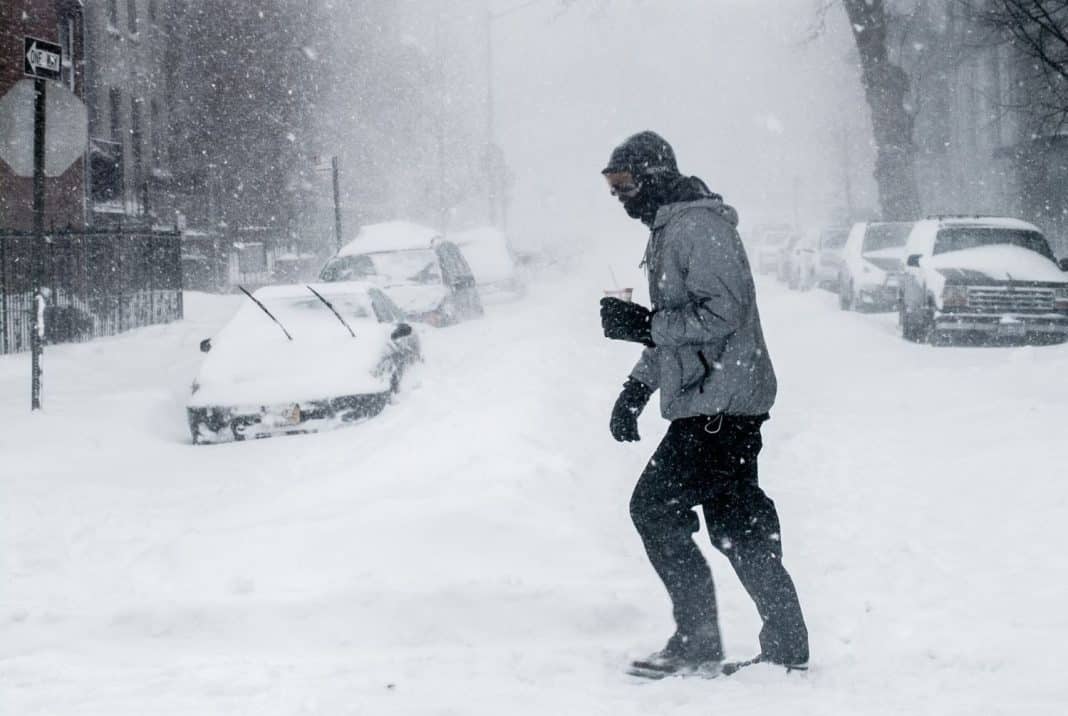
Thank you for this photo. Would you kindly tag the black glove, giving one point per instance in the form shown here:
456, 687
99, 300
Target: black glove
629, 405
625, 321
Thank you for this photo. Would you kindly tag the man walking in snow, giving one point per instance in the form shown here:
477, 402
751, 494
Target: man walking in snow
705, 353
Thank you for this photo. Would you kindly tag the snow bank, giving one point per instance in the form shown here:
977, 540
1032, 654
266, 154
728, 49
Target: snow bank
469, 551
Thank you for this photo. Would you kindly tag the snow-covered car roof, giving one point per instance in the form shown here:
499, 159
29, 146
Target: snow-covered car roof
390, 236
486, 251
253, 363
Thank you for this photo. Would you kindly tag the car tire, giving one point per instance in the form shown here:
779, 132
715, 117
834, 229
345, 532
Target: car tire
919, 329
908, 327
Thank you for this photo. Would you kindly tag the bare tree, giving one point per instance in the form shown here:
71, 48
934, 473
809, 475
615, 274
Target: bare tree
1038, 30
886, 86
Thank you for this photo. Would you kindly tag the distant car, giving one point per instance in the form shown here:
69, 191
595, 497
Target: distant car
873, 261
990, 276
829, 256
256, 382
428, 277
797, 262
492, 262
767, 245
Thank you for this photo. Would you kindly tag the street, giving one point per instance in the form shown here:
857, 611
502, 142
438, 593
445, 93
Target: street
469, 551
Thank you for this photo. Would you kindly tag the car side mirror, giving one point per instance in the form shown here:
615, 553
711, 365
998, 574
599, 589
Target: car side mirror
205, 345
1063, 263
403, 330
913, 261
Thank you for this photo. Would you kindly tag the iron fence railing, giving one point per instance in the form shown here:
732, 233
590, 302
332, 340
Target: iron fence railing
96, 283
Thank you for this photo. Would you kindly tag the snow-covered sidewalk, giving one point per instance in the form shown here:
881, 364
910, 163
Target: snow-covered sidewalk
469, 551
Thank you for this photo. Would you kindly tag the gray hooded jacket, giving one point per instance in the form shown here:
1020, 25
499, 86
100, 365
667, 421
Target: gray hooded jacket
710, 356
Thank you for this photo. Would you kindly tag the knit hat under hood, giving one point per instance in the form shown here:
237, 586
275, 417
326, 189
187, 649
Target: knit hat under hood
644, 154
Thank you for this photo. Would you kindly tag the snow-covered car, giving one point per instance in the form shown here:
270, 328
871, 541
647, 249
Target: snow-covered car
768, 242
797, 262
872, 263
829, 256
993, 276
299, 359
428, 277
492, 262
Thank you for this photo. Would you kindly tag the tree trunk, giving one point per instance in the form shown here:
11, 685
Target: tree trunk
885, 86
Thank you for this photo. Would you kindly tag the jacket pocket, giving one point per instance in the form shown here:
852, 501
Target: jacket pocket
694, 368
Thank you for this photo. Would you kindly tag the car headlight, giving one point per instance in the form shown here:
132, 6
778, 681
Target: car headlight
954, 296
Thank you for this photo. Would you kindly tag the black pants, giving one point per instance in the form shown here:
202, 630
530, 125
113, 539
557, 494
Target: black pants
713, 463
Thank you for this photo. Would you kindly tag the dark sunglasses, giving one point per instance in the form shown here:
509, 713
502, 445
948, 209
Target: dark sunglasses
622, 184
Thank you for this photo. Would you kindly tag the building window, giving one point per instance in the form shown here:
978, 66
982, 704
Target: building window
131, 16
115, 109
113, 13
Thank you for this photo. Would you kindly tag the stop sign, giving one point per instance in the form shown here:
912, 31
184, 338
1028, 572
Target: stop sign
66, 128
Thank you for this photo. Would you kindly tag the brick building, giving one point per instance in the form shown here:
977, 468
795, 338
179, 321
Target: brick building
127, 96
59, 21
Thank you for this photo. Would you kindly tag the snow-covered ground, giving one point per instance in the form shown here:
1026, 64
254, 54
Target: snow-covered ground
470, 552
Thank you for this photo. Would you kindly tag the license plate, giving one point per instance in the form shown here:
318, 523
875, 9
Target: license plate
1014, 330
892, 282
282, 417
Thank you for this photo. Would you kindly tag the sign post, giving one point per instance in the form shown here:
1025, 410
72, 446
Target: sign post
43, 61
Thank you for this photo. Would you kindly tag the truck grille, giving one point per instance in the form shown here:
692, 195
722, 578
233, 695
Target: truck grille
998, 299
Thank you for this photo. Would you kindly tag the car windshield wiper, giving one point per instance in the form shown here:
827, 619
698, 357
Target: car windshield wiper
334, 310
256, 301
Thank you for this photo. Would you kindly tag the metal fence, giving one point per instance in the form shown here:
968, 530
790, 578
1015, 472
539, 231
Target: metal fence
96, 283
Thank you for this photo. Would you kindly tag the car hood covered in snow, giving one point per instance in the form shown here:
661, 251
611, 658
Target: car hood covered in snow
252, 362
995, 264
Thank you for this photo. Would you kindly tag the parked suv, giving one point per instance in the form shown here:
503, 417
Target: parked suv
872, 263
991, 276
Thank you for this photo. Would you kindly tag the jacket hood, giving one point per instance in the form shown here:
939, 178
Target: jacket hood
709, 201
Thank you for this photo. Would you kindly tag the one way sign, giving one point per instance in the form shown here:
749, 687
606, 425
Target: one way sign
43, 59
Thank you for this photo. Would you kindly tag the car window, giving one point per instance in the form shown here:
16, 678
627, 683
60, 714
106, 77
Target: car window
833, 238
885, 236
418, 266
457, 270
969, 237
347, 268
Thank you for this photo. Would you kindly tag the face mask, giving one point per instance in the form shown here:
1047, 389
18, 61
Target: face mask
644, 205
